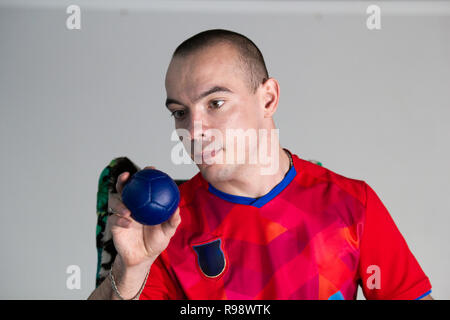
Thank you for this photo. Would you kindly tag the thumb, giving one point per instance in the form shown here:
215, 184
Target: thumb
175, 219
169, 227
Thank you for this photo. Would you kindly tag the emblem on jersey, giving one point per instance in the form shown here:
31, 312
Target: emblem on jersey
210, 258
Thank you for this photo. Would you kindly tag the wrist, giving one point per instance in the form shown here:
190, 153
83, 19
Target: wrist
122, 269
128, 281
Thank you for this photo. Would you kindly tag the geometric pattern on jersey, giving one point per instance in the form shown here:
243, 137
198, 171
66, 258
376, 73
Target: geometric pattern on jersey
306, 239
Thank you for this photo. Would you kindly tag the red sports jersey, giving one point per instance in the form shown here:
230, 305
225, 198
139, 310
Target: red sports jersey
316, 235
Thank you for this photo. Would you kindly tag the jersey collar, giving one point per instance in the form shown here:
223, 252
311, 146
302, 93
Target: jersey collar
256, 202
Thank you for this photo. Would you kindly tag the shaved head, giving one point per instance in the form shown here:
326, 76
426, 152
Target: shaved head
250, 59
217, 82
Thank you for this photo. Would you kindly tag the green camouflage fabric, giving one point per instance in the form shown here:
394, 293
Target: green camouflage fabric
106, 252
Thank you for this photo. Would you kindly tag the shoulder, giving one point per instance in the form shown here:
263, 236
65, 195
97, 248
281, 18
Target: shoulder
310, 174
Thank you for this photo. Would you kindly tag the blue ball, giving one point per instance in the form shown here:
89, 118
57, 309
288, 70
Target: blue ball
151, 196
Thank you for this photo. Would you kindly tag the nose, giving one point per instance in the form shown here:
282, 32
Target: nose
197, 127
197, 124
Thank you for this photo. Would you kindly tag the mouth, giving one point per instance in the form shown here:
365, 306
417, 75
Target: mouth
207, 154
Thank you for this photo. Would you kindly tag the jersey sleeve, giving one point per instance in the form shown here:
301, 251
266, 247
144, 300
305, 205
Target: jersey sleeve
161, 285
388, 269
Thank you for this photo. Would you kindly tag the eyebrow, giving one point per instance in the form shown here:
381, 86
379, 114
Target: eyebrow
201, 95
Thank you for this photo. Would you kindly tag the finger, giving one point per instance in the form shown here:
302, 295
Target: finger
175, 219
149, 167
123, 222
170, 226
116, 220
115, 205
121, 181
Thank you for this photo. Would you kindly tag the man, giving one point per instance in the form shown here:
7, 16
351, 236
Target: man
299, 232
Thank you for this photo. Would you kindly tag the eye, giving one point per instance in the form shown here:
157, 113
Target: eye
178, 114
216, 104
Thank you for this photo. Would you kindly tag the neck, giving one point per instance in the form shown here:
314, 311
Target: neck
249, 180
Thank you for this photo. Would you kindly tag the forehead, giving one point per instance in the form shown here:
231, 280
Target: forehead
216, 65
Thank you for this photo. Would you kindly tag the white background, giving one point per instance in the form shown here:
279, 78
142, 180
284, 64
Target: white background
371, 105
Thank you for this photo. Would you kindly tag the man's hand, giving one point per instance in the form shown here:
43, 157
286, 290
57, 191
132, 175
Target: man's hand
134, 242
137, 245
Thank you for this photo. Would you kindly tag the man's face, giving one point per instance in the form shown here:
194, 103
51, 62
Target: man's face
209, 90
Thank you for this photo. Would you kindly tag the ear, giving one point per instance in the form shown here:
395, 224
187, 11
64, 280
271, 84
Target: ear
270, 92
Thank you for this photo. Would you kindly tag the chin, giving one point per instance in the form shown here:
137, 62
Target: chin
216, 172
